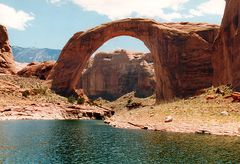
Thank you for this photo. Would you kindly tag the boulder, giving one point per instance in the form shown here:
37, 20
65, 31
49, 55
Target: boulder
168, 119
224, 113
7, 65
40, 70
226, 58
111, 75
236, 96
203, 132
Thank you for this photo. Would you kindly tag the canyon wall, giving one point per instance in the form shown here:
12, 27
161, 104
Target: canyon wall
226, 59
7, 65
111, 75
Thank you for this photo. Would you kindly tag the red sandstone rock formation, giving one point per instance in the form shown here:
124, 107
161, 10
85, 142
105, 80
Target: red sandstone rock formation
40, 70
182, 60
20, 66
236, 96
7, 65
226, 60
111, 75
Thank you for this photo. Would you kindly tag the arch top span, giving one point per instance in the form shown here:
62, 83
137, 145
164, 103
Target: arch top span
175, 48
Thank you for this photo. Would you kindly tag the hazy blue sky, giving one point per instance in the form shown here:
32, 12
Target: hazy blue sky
51, 23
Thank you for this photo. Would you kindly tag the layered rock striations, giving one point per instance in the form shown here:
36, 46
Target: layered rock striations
7, 65
226, 59
181, 54
111, 75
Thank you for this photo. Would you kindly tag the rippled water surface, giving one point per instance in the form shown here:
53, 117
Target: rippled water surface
94, 142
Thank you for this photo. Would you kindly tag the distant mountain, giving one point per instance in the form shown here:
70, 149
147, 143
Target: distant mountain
27, 55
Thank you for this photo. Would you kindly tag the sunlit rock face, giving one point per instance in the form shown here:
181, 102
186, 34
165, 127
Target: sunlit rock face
181, 54
226, 60
7, 65
111, 75
37, 69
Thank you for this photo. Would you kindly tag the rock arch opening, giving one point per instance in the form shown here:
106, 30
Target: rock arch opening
182, 61
120, 66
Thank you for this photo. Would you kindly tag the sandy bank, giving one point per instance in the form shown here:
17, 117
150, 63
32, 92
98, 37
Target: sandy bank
197, 126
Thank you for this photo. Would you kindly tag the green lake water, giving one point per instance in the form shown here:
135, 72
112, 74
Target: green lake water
94, 142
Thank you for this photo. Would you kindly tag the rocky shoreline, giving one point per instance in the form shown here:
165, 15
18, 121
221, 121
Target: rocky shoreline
49, 111
229, 129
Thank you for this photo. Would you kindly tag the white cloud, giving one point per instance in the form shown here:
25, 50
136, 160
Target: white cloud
116, 9
53, 1
57, 2
210, 7
14, 19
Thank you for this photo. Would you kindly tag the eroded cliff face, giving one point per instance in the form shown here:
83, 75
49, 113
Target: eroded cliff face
40, 70
226, 59
7, 65
111, 75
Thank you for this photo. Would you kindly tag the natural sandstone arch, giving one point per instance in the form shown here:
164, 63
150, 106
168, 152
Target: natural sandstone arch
182, 61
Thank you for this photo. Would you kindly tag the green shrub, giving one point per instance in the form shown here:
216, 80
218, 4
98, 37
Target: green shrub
71, 99
80, 100
26, 93
133, 105
129, 101
40, 90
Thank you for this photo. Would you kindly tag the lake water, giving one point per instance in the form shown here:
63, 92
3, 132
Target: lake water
94, 142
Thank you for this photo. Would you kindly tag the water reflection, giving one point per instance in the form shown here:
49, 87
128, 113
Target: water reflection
94, 142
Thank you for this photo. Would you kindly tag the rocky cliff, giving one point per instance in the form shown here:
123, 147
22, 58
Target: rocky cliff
7, 65
226, 60
40, 70
111, 75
